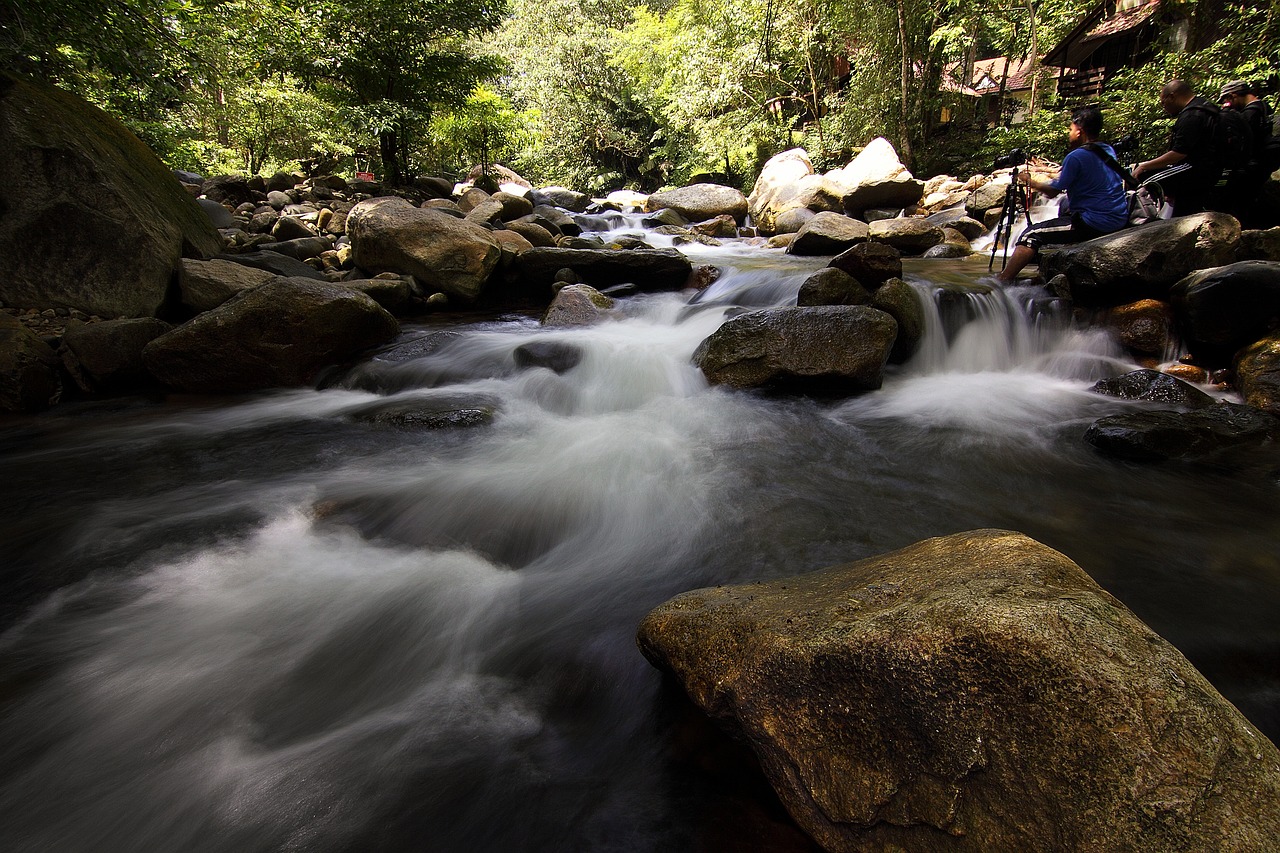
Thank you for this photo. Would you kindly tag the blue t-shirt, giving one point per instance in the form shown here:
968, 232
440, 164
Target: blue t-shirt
1095, 189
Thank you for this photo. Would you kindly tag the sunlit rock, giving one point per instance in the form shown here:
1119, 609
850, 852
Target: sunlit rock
838, 348
787, 183
909, 235
1145, 326
1145, 261
577, 305
698, 202
828, 233
830, 286
1258, 374
876, 178
447, 254
901, 302
974, 692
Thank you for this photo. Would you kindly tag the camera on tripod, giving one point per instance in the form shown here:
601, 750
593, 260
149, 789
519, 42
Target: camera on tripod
1016, 157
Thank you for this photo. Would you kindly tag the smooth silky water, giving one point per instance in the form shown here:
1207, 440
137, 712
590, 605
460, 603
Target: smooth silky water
265, 623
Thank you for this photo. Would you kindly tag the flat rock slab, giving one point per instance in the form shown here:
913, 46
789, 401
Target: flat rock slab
974, 692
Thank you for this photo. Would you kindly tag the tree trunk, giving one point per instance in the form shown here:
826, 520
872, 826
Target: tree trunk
1035, 58
390, 147
904, 133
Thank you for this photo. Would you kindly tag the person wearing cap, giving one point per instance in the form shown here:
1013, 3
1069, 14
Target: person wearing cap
1245, 184
1192, 143
1090, 177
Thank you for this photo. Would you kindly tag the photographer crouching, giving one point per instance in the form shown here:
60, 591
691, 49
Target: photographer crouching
1091, 178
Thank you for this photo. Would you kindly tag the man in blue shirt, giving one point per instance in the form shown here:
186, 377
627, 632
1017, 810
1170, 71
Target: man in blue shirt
1095, 190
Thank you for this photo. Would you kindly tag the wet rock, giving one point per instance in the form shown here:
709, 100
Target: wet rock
577, 305
974, 692
1221, 310
718, 226
872, 264
650, 269
840, 348
106, 357
828, 234
901, 302
1145, 261
1145, 326
91, 219
562, 197
426, 415
1159, 436
1257, 370
960, 220
831, 286
909, 235
553, 355
698, 202
29, 376
1153, 386
563, 223
449, 255
279, 334
947, 250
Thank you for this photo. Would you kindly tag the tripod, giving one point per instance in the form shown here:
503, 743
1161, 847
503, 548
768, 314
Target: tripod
1013, 199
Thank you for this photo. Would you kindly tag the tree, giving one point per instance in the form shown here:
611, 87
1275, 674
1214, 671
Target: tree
391, 63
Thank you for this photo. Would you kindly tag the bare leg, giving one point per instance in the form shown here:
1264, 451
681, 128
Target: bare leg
1022, 255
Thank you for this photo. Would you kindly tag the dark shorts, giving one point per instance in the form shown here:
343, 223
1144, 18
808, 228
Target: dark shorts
1059, 231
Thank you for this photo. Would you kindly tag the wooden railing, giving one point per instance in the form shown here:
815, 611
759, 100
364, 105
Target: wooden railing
1082, 85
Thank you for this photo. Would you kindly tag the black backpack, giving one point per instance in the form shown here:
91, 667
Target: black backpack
1234, 139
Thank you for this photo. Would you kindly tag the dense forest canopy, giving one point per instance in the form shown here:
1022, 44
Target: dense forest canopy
607, 94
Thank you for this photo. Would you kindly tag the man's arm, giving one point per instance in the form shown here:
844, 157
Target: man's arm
1168, 158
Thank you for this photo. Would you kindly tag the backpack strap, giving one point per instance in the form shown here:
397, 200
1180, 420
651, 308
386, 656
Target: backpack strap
1129, 180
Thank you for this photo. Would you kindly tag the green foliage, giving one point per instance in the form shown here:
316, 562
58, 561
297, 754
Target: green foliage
485, 129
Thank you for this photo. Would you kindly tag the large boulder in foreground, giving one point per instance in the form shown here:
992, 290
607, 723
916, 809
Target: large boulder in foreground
697, 202
1143, 262
974, 692
446, 254
842, 348
90, 218
279, 334
1223, 309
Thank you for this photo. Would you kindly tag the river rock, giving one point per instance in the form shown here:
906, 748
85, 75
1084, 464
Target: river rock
828, 233
1160, 435
204, 285
446, 254
698, 202
872, 264
1262, 245
985, 198
649, 269
1145, 261
1221, 310
91, 219
427, 414
562, 197
1145, 326
556, 356
274, 263
565, 225
975, 692
901, 302
837, 347
1153, 386
787, 183
279, 334
106, 357
393, 293
291, 228
301, 249
722, 225
909, 234
535, 234
876, 178
577, 305
219, 216
791, 221
29, 377
830, 286
513, 206
947, 250
960, 220
1258, 374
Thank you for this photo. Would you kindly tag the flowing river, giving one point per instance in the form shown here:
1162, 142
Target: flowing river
269, 623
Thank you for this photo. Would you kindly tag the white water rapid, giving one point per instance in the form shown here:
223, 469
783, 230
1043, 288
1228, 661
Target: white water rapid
271, 623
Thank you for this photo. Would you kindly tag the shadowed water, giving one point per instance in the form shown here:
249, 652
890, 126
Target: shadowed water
268, 623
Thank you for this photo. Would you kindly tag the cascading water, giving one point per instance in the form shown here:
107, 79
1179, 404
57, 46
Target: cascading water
276, 622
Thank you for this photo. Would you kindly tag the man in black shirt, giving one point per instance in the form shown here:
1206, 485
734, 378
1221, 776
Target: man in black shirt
1245, 183
1192, 143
